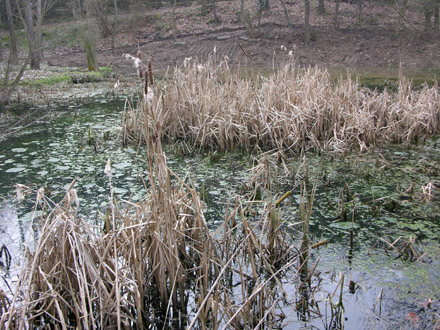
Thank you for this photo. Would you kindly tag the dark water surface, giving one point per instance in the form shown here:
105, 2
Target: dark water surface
375, 187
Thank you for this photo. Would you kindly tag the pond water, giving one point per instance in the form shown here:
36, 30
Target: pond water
387, 193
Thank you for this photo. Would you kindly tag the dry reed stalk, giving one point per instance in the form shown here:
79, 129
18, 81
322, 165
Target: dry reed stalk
293, 109
157, 251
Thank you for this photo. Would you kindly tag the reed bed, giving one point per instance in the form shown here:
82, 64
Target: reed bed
156, 264
212, 106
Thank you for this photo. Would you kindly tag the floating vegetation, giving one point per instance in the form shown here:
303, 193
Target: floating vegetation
405, 248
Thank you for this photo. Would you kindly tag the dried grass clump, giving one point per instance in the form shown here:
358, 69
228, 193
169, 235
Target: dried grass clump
155, 264
293, 109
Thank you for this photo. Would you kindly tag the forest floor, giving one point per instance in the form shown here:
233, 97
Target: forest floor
384, 42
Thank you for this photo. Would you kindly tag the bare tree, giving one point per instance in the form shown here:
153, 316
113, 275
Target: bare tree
89, 37
78, 9
8, 85
99, 9
436, 16
431, 8
360, 5
286, 14
307, 22
115, 25
214, 12
30, 29
85, 9
242, 15
203, 3
38, 32
337, 15
174, 21
263, 5
321, 7
13, 50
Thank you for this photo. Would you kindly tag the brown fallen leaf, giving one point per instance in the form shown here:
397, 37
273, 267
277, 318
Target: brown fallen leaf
413, 317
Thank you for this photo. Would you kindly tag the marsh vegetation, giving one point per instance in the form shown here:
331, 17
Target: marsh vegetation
160, 262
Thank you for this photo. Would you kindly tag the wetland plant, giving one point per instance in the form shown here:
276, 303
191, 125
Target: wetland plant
156, 264
292, 109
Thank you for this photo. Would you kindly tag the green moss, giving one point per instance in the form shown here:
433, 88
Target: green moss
106, 72
58, 79
76, 77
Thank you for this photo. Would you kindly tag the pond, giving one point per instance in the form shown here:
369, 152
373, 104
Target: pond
361, 201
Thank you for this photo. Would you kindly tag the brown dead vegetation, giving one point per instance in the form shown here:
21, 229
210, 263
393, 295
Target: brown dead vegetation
212, 106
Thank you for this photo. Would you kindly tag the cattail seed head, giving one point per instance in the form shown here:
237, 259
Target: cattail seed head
146, 85
19, 191
108, 169
150, 72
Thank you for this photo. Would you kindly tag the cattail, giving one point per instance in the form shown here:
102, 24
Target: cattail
40, 195
137, 62
139, 57
150, 72
73, 197
108, 169
146, 83
187, 61
19, 191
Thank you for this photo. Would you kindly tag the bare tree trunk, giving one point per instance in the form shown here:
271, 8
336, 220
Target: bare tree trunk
203, 12
38, 32
29, 23
436, 16
321, 7
89, 34
360, 5
115, 26
428, 11
307, 22
174, 21
77, 9
6, 86
242, 18
286, 14
13, 50
337, 15
263, 5
214, 11
90, 46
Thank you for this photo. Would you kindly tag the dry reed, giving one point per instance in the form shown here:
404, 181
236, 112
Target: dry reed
211, 106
